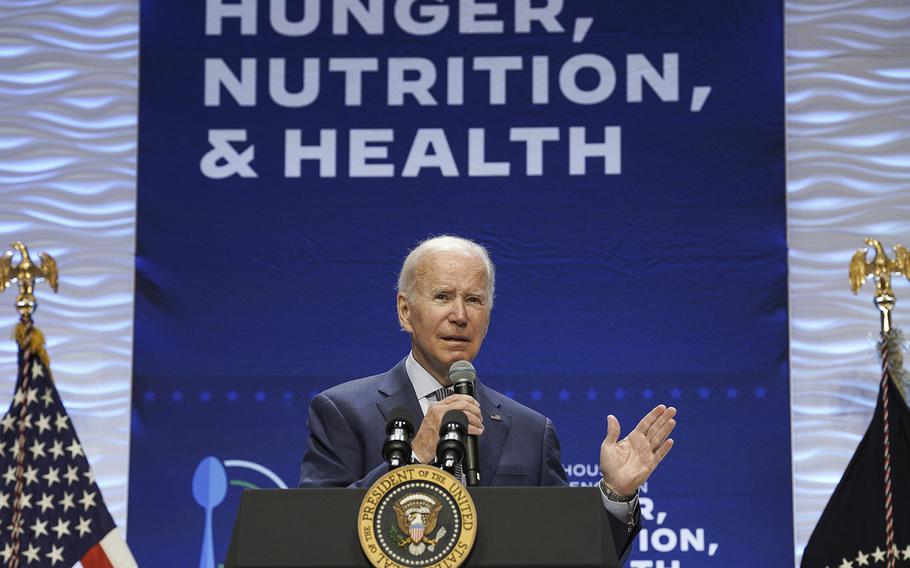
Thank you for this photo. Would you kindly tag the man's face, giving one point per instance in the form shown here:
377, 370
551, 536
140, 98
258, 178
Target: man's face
449, 312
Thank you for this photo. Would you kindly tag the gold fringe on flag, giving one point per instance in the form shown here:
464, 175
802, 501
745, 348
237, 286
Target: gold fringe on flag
893, 353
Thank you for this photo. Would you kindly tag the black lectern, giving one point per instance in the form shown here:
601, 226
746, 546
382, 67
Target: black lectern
517, 527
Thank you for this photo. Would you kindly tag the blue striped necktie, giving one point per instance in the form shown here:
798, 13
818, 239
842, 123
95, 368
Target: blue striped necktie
444, 392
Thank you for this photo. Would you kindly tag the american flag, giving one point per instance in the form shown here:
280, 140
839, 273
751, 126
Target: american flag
51, 511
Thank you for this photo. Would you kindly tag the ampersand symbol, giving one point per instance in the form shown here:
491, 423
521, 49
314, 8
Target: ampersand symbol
223, 160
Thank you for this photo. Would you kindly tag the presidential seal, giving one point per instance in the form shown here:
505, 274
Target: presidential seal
417, 516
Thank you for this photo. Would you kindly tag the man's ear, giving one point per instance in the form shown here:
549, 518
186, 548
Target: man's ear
404, 313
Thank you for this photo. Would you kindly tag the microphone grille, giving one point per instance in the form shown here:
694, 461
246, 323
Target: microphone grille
462, 371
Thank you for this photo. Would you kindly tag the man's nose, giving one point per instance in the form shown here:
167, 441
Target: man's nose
459, 314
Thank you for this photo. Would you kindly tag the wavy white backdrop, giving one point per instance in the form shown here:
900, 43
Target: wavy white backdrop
68, 91
848, 152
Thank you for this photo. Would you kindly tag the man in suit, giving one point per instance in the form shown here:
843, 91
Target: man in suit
445, 295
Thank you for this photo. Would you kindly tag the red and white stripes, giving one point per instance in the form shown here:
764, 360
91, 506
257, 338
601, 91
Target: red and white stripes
110, 552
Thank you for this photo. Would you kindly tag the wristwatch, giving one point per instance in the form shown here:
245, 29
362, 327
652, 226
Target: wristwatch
614, 496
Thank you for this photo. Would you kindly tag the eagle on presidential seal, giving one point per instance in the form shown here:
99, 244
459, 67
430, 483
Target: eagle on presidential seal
417, 515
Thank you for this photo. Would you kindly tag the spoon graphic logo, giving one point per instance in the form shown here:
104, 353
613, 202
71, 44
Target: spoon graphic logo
210, 485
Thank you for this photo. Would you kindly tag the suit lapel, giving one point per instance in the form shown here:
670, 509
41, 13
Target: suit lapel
494, 432
395, 390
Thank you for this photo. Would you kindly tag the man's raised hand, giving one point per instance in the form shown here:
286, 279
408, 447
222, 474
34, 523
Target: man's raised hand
626, 464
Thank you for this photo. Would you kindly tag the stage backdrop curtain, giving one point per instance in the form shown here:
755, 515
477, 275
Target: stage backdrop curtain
624, 163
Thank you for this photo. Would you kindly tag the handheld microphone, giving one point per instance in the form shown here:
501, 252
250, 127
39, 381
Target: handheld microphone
462, 375
450, 449
397, 447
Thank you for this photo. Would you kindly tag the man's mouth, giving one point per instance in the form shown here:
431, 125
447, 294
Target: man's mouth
456, 338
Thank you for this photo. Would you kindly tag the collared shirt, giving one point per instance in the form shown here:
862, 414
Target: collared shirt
425, 387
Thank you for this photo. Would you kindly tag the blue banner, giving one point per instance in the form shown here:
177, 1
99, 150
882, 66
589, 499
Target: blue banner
624, 163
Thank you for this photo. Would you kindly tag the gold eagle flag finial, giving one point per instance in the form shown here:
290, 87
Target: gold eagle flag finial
881, 268
27, 274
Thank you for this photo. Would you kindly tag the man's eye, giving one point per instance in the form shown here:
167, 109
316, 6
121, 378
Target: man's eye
474, 300
441, 296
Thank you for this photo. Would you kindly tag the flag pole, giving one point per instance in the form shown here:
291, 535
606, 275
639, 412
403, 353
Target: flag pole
881, 268
31, 341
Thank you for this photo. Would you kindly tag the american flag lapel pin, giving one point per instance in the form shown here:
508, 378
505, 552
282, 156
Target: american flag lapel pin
496, 417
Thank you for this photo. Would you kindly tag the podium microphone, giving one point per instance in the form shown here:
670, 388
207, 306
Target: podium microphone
462, 375
452, 431
397, 447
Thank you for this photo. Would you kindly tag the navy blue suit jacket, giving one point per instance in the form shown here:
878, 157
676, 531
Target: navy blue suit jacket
347, 430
